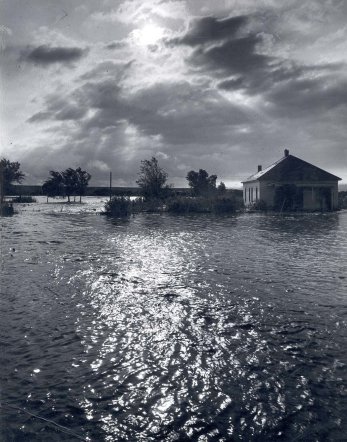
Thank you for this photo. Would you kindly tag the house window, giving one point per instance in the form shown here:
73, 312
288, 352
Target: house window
256, 193
252, 194
249, 194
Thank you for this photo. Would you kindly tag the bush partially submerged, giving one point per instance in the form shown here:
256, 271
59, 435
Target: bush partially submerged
187, 205
224, 205
118, 207
215, 204
123, 206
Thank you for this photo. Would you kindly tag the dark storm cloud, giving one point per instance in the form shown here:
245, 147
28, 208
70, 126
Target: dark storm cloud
299, 97
266, 77
231, 52
100, 95
46, 55
225, 48
68, 112
239, 66
59, 108
119, 44
210, 29
163, 109
236, 56
39, 116
71, 112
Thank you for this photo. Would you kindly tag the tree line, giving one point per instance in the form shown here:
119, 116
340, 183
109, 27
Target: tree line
70, 182
152, 180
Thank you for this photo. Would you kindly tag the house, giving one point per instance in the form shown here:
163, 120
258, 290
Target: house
292, 184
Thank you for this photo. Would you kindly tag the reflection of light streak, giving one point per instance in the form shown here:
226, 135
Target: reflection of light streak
131, 299
160, 342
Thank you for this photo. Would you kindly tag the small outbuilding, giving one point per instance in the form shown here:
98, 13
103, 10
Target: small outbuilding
292, 184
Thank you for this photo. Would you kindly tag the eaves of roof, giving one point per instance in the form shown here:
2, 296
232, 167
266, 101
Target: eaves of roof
300, 166
260, 174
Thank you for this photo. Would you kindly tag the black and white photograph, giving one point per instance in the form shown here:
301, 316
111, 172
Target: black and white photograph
173, 220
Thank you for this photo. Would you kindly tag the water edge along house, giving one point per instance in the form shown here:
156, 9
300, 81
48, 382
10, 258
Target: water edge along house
292, 184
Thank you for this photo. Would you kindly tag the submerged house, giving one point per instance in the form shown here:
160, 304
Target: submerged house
292, 184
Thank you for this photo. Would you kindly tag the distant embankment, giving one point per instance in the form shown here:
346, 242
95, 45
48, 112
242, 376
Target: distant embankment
91, 191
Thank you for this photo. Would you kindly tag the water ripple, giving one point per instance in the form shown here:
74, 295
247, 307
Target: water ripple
173, 328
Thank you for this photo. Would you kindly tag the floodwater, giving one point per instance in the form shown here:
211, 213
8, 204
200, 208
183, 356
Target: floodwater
172, 328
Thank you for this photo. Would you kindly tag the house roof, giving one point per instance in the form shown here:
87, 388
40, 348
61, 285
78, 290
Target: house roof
291, 168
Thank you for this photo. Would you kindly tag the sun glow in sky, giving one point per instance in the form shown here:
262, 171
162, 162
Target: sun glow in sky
148, 35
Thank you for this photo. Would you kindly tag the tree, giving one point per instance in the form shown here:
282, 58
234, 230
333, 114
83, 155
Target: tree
70, 182
221, 188
201, 183
83, 178
54, 186
76, 182
10, 173
152, 179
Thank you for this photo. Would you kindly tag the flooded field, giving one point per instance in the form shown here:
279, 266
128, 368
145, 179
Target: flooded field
170, 328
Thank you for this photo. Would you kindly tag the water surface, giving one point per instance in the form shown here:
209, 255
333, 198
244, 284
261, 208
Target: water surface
160, 327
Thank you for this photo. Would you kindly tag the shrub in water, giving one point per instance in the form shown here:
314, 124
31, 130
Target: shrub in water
224, 205
212, 204
118, 206
188, 205
179, 205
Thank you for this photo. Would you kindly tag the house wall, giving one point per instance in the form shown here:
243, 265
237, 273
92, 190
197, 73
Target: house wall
312, 197
261, 191
251, 192
267, 193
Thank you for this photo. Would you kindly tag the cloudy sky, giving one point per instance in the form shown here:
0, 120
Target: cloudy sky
222, 85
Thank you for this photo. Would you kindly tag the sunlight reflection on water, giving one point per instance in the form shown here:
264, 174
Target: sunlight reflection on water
171, 328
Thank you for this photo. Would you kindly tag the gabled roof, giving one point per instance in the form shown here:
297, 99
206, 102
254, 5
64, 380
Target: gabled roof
291, 168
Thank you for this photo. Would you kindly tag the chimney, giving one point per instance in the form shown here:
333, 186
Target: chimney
259, 168
286, 152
